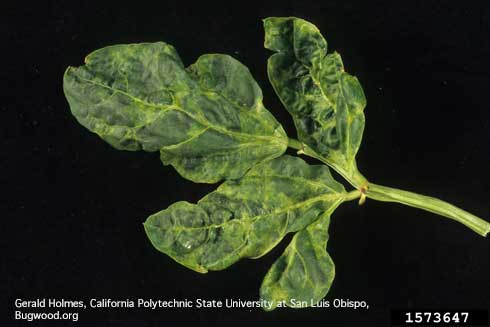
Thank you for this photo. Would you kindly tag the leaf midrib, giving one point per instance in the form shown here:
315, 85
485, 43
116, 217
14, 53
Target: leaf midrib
324, 197
205, 123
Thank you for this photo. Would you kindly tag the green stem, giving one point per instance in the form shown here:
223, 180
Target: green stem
389, 194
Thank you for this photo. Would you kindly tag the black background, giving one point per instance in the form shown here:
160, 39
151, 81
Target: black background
73, 207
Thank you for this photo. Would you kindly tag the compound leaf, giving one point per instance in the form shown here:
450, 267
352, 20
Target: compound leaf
208, 120
326, 103
245, 218
305, 271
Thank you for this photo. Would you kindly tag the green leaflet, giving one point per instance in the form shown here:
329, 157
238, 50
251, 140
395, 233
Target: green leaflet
326, 103
305, 271
208, 120
245, 218
327, 107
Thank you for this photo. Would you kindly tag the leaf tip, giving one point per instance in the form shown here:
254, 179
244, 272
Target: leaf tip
67, 70
201, 270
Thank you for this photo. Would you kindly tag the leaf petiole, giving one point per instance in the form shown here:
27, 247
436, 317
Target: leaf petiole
352, 195
390, 194
354, 177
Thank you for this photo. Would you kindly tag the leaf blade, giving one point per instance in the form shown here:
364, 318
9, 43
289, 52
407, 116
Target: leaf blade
304, 272
325, 102
245, 218
141, 97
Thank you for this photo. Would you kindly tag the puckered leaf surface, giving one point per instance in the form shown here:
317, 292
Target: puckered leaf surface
208, 120
245, 218
326, 103
305, 271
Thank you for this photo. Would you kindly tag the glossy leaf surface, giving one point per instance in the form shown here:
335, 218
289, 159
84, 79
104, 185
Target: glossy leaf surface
305, 270
208, 120
326, 103
245, 218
